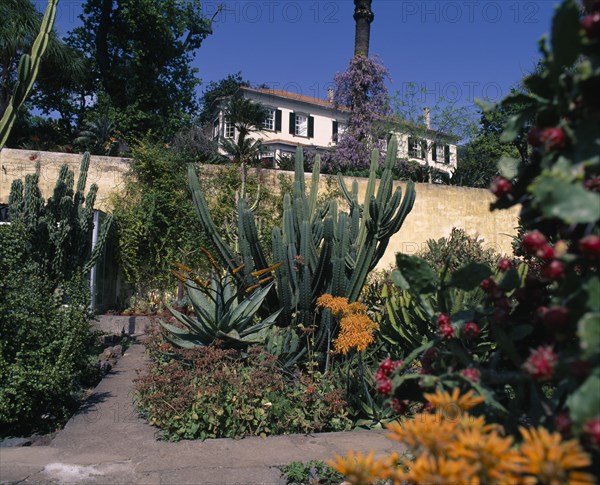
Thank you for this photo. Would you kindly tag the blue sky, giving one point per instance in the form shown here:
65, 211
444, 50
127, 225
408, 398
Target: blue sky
458, 50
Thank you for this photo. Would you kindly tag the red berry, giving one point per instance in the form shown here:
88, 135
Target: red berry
500, 187
471, 374
554, 270
592, 430
590, 246
443, 319
533, 241
553, 138
591, 25
562, 424
546, 253
446, 331
592, 184
384, 387
386, 366
500, 315
533, 138
541, 363
555, 318
504, 264
398, 406
487, 284
471, 330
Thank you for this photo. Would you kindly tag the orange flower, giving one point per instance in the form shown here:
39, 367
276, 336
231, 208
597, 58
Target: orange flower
547, 459
443, 401
427, 469
423, 433
360, 469
356, 328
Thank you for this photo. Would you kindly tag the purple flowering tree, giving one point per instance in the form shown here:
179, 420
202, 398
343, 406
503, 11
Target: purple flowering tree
361, 88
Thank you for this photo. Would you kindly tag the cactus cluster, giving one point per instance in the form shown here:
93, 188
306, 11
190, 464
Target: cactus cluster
323, 250
27, 72
59, 229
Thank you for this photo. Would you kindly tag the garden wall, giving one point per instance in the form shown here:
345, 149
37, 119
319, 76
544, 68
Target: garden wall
438, 208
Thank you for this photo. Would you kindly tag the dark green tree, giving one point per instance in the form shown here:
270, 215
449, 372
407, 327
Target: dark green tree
477, 165
215, 91
140, 52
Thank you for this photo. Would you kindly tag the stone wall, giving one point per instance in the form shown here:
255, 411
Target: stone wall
107, 172
438, 208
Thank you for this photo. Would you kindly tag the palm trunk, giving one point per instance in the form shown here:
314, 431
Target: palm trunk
363, 16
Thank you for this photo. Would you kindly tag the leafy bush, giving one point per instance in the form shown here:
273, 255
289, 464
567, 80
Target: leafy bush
221, 393
313, 471
155, 219
456, 250
44, 344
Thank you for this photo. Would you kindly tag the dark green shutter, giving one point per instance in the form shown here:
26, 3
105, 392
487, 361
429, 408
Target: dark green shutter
278, 120
334, 131
311, 127
292, 123
423, 145
447, 154
434, 152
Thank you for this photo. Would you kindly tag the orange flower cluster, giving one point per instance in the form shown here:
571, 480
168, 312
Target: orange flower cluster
459, 448
356, 328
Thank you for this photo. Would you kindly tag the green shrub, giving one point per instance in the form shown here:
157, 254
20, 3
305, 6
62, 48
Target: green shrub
212, 392
313, 471
43, 343
456, 250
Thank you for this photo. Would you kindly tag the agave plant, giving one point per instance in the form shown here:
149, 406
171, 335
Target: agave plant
220, 312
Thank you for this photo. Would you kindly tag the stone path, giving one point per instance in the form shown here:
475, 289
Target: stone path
107, 443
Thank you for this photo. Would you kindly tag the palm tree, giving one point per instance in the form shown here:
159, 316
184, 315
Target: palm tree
363, 16
247, 117
97, 137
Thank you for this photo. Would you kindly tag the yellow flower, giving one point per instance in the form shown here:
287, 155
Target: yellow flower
548, 460
453, 404
491, 454
424, 433
335, 304
360, 469
427, 469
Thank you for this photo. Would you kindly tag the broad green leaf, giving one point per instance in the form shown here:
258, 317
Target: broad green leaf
511, 280
588, 330
566, 201
508, 167
584, 403
417, 274
470, 276
514, 125
566, 41
520, 332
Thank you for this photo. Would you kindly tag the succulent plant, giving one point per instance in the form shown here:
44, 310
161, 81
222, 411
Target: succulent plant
221, 314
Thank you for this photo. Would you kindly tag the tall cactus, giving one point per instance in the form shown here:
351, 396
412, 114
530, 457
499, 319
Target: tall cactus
59, 229
322, 251
27, 72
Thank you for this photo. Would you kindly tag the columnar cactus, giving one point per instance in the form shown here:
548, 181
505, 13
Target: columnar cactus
27, 72
60, 229
322, 251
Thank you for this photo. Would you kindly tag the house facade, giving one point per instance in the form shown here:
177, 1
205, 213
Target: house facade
317, 124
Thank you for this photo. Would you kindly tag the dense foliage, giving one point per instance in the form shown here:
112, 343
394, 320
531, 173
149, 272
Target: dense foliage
212, 393
44, 345
154, 217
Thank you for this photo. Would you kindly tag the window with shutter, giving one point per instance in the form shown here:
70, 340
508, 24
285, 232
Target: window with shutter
292, 123
269, 121
311, 127
447, 154
434, 149
278, 120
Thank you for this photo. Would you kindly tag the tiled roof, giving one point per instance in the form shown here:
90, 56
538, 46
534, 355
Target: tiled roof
296, 97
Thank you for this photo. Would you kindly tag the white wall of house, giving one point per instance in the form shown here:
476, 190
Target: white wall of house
296, 121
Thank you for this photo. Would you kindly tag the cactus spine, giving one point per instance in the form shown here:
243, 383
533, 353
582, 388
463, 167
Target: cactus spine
27, 72
322, 251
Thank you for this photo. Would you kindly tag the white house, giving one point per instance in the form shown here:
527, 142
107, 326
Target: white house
315, 123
